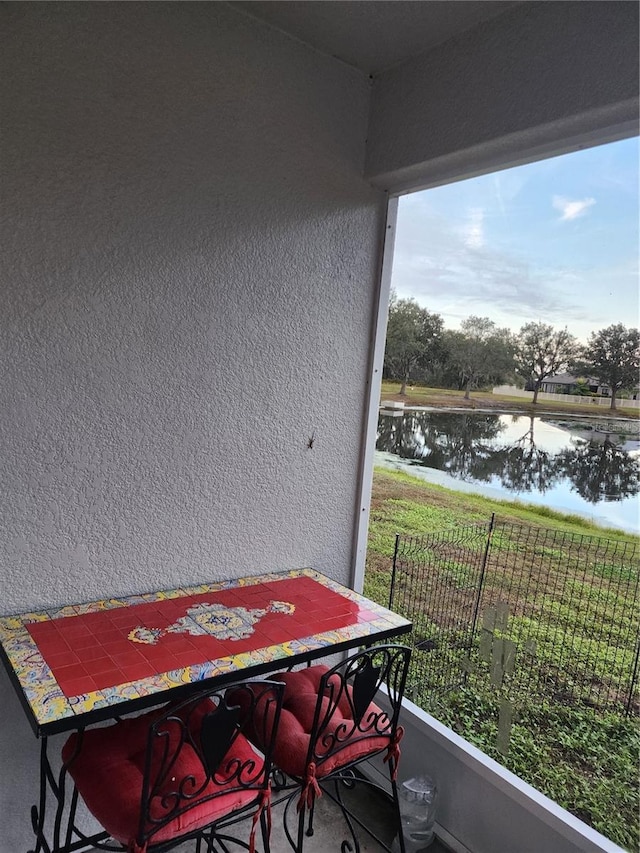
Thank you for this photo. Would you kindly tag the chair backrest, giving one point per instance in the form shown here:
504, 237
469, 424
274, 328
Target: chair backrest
197, 752
346, 719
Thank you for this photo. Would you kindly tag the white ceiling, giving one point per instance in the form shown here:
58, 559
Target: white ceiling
373, 36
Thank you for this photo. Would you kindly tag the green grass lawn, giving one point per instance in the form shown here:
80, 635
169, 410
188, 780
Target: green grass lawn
401, 503
587, 762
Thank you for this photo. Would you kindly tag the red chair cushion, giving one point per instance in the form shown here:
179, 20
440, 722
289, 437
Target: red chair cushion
296, 722
109, 769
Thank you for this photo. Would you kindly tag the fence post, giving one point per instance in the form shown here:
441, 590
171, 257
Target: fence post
393, 571
634, 680
485, 557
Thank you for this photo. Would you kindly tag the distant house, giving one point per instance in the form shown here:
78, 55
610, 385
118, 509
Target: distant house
566, 383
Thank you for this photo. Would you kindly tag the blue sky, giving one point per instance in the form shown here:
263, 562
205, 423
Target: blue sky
555, 241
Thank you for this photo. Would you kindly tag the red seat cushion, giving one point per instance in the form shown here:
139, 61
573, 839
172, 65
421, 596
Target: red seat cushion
109, 769
296, 722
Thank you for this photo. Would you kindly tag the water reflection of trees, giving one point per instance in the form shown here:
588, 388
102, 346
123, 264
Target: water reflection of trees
464, 446
528, 467
600, 470
458, 444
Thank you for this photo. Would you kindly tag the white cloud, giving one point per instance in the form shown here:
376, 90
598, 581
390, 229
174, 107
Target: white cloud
572, 209
474, 232
436, 264
448, 273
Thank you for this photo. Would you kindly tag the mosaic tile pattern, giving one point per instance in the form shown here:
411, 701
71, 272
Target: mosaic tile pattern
104, 653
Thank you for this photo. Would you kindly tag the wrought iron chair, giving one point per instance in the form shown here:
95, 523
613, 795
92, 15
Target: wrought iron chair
329, 725
184, 772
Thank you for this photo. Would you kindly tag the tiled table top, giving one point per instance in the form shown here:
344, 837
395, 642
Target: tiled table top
84, 661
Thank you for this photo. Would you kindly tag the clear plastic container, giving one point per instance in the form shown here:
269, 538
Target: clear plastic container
418, 812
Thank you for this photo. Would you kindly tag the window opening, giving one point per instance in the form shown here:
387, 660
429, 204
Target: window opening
508, 462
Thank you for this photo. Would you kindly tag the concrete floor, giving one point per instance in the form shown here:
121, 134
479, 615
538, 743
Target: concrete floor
330, 828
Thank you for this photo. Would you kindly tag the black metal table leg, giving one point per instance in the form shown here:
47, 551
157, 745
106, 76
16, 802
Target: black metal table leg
38, 812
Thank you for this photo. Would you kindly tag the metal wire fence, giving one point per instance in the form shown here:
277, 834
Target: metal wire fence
530, 612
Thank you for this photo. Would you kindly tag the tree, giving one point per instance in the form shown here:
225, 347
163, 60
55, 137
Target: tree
542, 351
613, 355
479, 353
413, 339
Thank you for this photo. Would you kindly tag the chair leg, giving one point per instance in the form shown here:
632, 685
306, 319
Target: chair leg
298, 844
396, 809
346, 814
301, 820
209, 841
290, 803
312, 809
264, 829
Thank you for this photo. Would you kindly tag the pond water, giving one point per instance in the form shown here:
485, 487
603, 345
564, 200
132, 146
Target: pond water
572, 465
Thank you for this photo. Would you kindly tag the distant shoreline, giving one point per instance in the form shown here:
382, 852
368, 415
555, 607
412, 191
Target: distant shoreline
605, 425
440, 398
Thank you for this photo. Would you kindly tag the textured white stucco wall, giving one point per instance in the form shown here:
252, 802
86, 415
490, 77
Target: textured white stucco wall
188, 298
188, 292
540, 79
